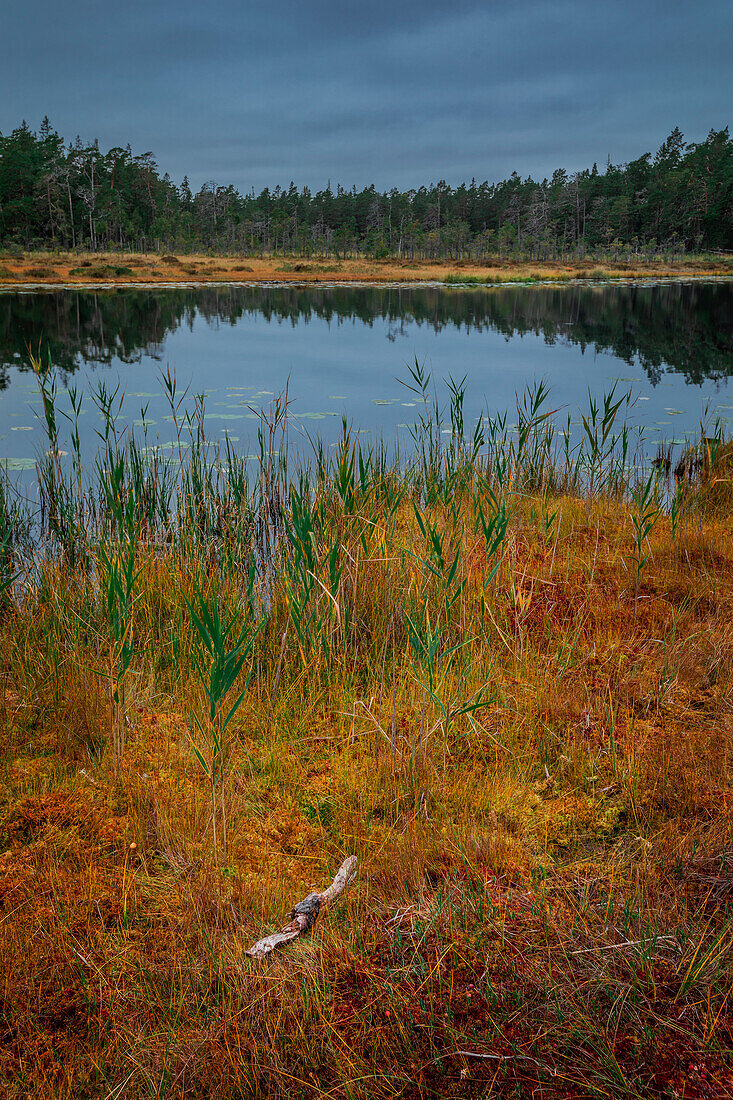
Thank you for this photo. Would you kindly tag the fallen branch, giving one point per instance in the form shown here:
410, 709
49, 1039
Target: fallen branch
303, 915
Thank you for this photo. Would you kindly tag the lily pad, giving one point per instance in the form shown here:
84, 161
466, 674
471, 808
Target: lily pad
16, 464
171, 445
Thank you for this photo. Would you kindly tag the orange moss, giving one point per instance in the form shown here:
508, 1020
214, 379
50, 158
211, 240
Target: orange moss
100, 267
545, 887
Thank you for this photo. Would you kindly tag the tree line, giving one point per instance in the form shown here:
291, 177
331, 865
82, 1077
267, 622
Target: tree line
74, 196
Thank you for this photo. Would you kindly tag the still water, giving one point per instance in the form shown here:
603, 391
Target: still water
341, 350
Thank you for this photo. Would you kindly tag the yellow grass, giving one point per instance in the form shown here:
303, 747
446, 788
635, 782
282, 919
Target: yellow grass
124, 268
543, 898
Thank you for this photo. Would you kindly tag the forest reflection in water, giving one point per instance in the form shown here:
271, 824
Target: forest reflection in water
685, 328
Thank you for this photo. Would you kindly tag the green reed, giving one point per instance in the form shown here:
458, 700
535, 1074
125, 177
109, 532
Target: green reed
646, 511
297, 538
224, 645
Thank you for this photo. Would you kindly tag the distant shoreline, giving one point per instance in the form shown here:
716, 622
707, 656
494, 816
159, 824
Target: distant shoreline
122, 269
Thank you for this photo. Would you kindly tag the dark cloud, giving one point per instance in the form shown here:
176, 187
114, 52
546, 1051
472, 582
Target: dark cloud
395, 93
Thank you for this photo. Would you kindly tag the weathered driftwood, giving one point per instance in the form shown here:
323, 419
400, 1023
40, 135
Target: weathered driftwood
303, 915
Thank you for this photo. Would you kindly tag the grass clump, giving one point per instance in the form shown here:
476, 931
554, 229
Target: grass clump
41, 272
481, 667
100, 271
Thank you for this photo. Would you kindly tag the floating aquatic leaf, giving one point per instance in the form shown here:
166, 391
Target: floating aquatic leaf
22, 428
171, 445
16, 464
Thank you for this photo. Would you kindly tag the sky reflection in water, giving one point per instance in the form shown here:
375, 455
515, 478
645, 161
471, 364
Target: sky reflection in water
341, 351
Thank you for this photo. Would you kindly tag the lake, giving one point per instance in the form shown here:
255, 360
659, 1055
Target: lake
341, 350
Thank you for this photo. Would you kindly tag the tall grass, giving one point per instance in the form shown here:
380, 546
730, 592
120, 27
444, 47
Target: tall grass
496, 665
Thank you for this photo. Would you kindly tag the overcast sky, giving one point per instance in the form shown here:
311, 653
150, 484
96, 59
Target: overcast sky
390, 92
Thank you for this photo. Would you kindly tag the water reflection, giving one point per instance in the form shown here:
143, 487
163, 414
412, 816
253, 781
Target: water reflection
684, 328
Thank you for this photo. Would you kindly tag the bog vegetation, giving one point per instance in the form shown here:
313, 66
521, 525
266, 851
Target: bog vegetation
77, 197
497, 668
